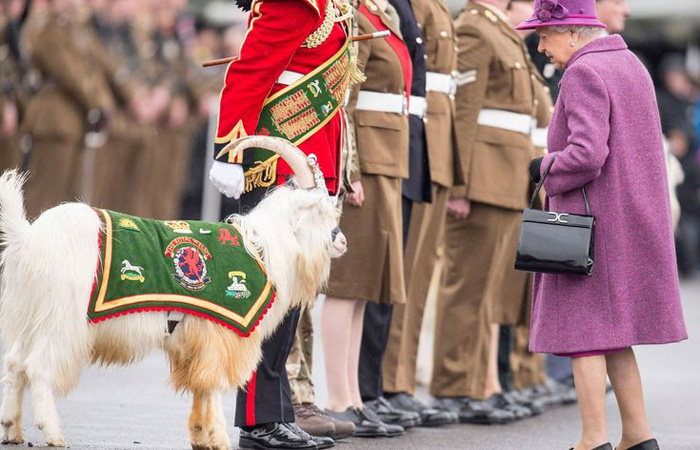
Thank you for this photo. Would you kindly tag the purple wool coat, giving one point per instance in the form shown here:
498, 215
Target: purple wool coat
606, 135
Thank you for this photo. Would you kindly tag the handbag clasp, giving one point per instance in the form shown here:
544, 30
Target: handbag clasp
557, 217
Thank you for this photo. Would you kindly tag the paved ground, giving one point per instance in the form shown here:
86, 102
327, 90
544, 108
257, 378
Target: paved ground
133, 408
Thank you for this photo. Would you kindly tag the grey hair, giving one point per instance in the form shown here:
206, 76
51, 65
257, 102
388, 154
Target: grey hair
582, 30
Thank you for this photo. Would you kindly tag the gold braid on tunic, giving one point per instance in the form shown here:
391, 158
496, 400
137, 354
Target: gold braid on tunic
319, 36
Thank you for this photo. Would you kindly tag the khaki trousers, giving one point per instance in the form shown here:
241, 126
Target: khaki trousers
528, 368
425, 230
300, 361
479, 287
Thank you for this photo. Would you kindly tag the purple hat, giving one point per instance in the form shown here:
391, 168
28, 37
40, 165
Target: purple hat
562, 12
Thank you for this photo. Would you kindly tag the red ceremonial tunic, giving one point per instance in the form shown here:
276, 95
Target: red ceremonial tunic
276, 31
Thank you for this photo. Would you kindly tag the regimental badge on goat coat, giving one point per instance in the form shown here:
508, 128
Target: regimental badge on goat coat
150, 265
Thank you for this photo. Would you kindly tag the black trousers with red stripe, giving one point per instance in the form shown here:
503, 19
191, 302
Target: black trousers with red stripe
267, 396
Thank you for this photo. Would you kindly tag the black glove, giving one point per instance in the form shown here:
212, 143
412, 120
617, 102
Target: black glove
535, 166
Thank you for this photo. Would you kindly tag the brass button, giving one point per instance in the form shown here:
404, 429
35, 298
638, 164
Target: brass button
536, 102
443, 33
532, 76
474, 11
518, 65
426, 57
419, 40
373, 7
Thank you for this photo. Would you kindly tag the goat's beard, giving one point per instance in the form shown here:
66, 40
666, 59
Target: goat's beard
244, 4
311, 277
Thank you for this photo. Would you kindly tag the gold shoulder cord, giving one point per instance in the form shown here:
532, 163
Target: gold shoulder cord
319, 36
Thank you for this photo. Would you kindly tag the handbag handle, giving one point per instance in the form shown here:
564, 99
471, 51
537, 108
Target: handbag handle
541, 182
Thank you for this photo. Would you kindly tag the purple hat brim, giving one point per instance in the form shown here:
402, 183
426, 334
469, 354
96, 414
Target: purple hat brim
531, 24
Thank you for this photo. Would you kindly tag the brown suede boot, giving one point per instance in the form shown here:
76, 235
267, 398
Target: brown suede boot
309, 420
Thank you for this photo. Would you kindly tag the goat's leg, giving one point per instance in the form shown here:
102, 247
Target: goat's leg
216, 423
15, 382
197, 431
41, 381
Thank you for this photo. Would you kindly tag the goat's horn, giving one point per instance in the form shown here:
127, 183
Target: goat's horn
296, 159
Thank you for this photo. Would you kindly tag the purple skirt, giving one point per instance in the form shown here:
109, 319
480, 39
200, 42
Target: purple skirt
591, 353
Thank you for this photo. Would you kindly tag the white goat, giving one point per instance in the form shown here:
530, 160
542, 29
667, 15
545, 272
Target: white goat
48, 273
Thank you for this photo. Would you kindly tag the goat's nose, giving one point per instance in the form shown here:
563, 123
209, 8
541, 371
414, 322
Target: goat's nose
334, 233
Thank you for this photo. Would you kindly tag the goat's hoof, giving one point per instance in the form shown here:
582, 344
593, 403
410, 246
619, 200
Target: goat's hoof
56, 443
15, 441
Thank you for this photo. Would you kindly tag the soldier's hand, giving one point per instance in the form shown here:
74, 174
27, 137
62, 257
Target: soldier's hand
357, 198
228, 178
459, 207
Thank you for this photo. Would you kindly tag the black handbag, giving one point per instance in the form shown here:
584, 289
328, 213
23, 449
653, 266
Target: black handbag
553, 242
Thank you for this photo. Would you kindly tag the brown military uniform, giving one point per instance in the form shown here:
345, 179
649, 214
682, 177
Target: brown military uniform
55, 118
372, 269
116, 160
399, 366
529, 368
494, 115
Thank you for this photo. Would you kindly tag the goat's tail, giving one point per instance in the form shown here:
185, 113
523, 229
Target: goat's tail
13, 217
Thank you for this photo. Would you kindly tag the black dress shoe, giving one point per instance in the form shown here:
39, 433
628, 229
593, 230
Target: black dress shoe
535, 405
508, 403
391, 429
388, 414
474, 411
429, 417
271, 436
363, 426
320, 441
607, 446
651, 444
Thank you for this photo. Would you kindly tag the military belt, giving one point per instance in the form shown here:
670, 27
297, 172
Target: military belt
418, 106
440, 82
539, 137
506, 120
382, 102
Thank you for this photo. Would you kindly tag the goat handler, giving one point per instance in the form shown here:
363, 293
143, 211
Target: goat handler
289, 80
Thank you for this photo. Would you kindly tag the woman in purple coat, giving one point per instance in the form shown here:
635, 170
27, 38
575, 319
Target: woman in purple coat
605, 135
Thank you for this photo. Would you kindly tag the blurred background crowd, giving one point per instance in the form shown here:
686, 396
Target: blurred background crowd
106, 100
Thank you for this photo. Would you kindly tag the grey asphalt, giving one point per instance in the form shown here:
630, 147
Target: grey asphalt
133, 408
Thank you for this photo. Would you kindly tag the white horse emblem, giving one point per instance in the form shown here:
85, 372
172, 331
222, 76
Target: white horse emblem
131, 272
129, 268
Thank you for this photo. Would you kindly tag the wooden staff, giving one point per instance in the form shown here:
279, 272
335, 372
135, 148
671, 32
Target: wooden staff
362, 37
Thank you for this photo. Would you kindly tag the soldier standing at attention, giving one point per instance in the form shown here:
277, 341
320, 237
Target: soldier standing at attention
289, 80
415, 191
73, 99
494, 116
427, 219
372, 270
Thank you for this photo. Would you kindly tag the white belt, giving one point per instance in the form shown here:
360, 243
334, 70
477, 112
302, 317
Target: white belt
382, 102
440, 82
539, 137
506, 120
288, 77
418, 106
